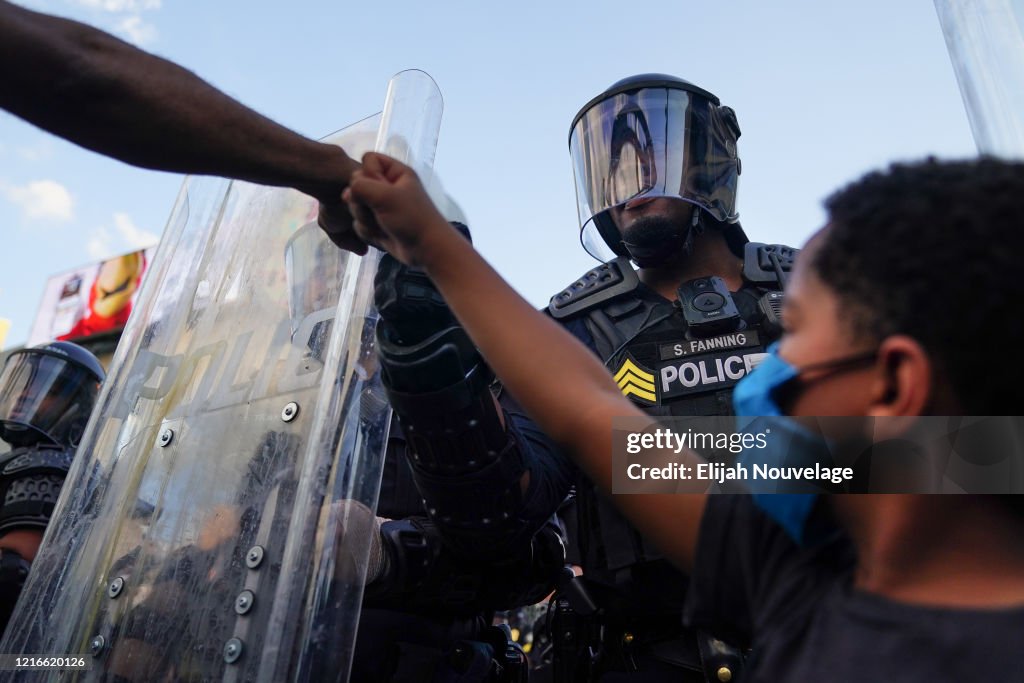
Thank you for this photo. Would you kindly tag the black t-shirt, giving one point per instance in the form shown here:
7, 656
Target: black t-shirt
798, 610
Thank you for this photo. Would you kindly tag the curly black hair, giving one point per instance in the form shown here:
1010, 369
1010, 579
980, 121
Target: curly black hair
934, 250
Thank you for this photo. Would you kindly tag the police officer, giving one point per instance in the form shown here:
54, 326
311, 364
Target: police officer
46, 395
656, 168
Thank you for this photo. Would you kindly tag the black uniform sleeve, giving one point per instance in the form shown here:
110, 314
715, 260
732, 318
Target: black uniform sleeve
551, 473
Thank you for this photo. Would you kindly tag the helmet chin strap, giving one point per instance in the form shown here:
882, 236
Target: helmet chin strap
673, 246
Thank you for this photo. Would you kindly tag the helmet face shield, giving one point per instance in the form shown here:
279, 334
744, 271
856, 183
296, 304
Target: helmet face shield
651, 142
315, 272
44, 394
314, 269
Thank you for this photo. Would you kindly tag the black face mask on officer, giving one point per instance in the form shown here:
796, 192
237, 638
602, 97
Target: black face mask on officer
646, 137
661, 237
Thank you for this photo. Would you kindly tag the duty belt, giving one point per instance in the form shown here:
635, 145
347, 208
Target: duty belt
588, 642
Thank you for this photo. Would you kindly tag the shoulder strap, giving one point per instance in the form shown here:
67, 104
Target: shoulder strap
612, 330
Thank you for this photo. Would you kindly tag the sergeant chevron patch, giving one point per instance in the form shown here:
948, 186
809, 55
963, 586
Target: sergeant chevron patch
634, 381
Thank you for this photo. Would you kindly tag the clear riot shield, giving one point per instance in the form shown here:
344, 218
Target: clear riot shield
985, 40
216, 522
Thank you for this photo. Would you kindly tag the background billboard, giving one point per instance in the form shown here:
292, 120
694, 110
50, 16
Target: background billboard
94, 300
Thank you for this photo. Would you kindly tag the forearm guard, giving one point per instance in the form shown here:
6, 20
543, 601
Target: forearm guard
466, 464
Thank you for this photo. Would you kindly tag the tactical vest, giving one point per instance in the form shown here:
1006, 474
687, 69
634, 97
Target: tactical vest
666, 370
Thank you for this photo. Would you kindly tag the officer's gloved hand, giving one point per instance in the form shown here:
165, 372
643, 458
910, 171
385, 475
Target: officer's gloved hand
410, 307
358, 540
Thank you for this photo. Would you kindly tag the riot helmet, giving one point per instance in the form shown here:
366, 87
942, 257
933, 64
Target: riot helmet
649, 136
47, 394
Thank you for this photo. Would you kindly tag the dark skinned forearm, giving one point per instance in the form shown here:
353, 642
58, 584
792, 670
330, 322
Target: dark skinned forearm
106, 95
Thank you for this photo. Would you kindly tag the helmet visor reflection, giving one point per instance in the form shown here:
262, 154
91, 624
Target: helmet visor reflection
652, 142
44, 394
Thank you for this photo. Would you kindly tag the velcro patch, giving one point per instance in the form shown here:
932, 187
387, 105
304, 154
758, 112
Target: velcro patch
635, 381
707, 372
690, 347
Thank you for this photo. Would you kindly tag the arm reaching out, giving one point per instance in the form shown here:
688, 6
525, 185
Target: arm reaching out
393, 211
104, 94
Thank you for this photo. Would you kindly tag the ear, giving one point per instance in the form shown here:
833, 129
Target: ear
903, 383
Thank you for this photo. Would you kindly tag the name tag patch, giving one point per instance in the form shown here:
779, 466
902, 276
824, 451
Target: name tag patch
690, 347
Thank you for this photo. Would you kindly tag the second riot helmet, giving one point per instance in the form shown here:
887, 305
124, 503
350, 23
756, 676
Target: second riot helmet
47, 394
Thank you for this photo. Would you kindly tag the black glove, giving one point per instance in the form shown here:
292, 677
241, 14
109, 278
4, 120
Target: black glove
411, 309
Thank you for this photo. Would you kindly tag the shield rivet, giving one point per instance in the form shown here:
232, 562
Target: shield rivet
254, 558
290, 411
232, 650
166, 436
244, 602
96, 645
115, 587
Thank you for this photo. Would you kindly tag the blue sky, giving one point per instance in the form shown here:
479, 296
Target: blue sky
824, 92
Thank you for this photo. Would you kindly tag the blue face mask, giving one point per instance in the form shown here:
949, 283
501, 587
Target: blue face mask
754, 395
755, 400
